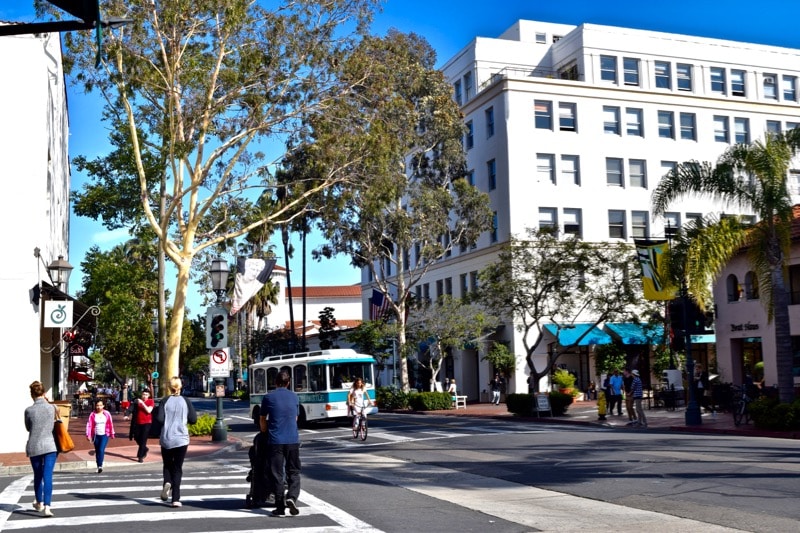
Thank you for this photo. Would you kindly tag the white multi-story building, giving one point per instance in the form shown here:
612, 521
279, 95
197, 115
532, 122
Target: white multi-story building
34, 210
573, 126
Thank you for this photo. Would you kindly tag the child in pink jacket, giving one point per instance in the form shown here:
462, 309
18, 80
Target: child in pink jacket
99, 429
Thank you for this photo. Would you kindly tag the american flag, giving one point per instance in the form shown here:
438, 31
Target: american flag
378, 305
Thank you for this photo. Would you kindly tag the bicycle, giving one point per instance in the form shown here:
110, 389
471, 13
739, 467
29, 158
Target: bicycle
359, 424
740, 402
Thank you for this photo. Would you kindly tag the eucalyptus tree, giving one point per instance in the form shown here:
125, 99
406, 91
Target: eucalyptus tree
754, 178
541, 280
399, 132
205, 84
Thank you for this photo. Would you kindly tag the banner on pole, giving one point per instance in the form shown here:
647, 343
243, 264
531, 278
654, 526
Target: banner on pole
654, 281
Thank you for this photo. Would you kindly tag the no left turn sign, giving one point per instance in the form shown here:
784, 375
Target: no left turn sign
219, 357
219, 364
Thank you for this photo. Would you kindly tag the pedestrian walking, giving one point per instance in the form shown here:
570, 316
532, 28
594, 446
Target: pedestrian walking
140, 414
174, 414
638, 394
280, 409
627, 387
100, 428
124, 398
615, 383
496, 386
41, 448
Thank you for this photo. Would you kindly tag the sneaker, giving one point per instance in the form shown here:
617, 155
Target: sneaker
177, 504
46, 512
37, 506
292, 507
165, 491
141, 459
99, 469
279, 512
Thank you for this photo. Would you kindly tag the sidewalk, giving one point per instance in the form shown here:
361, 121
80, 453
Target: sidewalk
120, 451
585, 413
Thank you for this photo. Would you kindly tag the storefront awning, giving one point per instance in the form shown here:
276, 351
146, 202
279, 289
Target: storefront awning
78, 376
568, 335
707, 339
630, 333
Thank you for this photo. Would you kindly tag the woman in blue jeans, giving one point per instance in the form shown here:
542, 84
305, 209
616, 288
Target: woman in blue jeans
99, 428
41, 448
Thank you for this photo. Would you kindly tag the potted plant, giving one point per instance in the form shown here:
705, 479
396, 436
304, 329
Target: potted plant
564, 381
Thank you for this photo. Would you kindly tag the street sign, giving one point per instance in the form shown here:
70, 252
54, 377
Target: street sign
220, 363
57, 314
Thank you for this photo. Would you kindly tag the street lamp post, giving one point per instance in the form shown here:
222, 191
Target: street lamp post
219, 278
692, 415
154, 326
59, 271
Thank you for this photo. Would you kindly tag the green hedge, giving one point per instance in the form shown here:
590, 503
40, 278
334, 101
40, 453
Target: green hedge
524, 404
769, 413
203, 426
392, 398
431, 401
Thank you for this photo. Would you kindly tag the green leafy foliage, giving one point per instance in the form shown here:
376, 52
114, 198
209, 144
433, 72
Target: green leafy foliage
501, 359
393, 398
203, 426
608, 357
431, 401
769, 413
563, 379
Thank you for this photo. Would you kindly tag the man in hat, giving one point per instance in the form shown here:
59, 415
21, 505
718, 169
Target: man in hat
638, 394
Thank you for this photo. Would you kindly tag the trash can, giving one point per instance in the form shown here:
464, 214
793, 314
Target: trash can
64, 409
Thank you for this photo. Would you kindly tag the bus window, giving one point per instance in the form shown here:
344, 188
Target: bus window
272, 373
343, 374
259, 381
316, 376
300, 381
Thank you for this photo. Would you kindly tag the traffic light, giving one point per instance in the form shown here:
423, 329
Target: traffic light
217, 328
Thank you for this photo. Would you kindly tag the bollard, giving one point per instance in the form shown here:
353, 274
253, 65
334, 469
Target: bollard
601, 405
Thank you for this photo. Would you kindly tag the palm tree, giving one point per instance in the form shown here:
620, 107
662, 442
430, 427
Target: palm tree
751, 177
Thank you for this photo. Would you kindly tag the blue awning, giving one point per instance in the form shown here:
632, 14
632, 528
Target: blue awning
630, 333
569, 334
707, 339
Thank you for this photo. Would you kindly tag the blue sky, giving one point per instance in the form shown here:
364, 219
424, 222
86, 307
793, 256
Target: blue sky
449, 25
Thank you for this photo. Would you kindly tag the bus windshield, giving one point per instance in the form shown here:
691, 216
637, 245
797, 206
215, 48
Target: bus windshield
343, 374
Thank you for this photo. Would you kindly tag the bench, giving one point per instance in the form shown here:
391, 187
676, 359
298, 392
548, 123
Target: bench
460, 402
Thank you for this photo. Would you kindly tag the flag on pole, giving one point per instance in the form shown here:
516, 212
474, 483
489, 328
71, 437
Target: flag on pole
251, 275
654, 282
379, 304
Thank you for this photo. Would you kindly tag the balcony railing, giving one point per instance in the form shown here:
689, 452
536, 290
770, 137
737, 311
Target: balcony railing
517, 73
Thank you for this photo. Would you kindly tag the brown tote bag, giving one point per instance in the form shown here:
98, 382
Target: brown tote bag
64, 442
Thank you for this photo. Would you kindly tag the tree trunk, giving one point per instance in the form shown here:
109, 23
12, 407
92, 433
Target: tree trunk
783, 338
171, 363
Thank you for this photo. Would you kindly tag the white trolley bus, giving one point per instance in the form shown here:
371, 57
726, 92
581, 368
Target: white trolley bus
321, 379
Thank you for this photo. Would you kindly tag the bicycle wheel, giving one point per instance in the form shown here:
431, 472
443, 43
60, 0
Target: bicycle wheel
738, 412
363, 428
355, 426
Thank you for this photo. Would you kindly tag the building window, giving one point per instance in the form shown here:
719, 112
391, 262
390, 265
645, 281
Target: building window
471, 177
737, 83
794, 181
426, 292
418, 253
469, 140
467, 86
614, 175
792, 125
751, 286
773, 126
439, 288
718, 80
663, 75
637, 173
544, 114
672, 221
541, 38
489, 115
616, 224
545, 168
608, 68
493, 233
721, 129
666, 124
770, 87
630, 68
570, 169
640, 225
733, 288
741, 127
667, 167
491, 174
448, 286
794, 284
572, 222
694, 218
611, 119
473, 280
567, 120
548, 218
462, 280
446, 244
789, 88
457, 92
688, 126
683, 74
633, 122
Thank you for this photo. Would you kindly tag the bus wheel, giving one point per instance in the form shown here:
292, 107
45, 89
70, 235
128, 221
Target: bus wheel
301, 420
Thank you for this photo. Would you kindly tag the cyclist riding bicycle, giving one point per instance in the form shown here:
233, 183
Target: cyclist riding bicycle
358, 398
